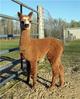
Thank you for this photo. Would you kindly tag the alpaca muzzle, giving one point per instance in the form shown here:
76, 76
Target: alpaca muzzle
26, 25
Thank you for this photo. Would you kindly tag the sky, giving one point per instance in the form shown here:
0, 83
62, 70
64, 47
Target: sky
65, 9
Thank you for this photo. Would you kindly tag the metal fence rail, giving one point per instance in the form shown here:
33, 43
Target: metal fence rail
12, 76
8, 51
9, 66
9, 35
22, 4
13, 18
9, 17
2, 82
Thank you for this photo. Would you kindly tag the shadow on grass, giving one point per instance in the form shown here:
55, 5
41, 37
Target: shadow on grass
43, 81
40, 80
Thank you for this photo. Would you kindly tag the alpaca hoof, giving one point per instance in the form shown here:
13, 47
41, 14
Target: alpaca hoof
51, 87
33, 88
62, 85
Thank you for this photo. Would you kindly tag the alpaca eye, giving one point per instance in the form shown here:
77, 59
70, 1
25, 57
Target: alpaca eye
22, 22
30, 21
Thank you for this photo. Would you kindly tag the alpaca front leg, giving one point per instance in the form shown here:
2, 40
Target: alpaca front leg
34, 72
28, 71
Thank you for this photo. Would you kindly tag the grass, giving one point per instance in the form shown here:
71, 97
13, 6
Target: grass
7, 44
72, 47
71, 52
71, 57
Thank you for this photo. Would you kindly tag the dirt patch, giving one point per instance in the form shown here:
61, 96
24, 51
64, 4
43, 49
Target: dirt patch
71, 90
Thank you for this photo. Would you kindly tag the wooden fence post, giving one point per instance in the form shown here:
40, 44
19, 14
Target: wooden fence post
40, 28
63, 34
40, 21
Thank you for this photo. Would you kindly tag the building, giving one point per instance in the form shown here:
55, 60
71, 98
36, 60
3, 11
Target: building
71, 33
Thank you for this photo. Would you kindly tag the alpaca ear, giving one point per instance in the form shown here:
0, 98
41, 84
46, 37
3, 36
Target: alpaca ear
19, 14
30, 14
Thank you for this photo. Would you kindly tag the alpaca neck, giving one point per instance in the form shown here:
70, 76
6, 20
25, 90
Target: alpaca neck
25, 38
26, 35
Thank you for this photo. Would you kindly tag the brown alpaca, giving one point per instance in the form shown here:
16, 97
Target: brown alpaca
34, 49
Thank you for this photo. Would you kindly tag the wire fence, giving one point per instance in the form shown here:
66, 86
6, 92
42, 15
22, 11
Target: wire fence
10, 26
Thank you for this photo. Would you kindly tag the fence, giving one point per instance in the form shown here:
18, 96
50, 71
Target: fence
7, 68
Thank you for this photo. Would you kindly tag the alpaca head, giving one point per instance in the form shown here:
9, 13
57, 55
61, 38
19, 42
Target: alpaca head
25, 20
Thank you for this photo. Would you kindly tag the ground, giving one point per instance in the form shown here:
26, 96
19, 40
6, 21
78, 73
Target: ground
18, 89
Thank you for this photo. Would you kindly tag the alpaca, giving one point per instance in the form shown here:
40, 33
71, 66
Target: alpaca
35, 49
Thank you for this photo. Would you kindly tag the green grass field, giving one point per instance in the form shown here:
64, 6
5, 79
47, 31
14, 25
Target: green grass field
7, 44
71, 50
73, 47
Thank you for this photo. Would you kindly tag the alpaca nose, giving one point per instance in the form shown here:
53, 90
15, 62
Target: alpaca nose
26, 25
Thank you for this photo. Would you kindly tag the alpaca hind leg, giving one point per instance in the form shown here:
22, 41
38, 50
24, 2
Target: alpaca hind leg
55, 67
55, 73
61, 75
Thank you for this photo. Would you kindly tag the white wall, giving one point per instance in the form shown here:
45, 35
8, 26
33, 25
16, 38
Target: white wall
71, 33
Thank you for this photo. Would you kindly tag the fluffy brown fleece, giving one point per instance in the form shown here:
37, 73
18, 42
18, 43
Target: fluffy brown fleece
35, 49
